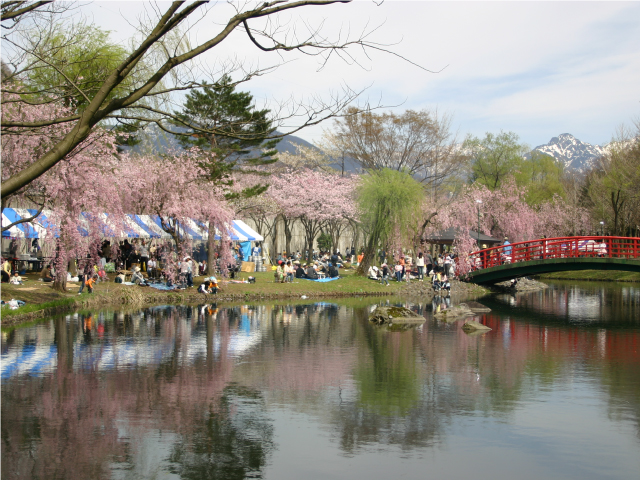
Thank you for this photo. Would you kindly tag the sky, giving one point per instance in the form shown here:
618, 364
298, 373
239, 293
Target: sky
538, 69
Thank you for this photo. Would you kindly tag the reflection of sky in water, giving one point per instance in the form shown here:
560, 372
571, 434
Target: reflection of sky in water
583, 307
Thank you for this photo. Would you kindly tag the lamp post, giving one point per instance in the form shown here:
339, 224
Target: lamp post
602, 229
478, 202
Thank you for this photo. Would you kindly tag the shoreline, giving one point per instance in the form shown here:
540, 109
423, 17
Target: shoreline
182, 297
108, 295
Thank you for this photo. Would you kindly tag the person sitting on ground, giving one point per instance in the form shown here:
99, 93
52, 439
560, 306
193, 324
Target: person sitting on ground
445, 282
372, 273
209, 285
311, 273
47, 274
289, 272
6, 270
437, 281
300, 272
279, 275
120, 278
137, 277
333, 272
16, 279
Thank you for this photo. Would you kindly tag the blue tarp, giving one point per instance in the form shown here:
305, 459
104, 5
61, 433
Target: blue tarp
321, 280
246, 250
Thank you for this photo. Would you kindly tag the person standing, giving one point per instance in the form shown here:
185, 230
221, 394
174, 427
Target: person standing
420, 265
428, 260
151, 268
144, 256
398, 269
185, 268
506, 249
86, 275
385, 274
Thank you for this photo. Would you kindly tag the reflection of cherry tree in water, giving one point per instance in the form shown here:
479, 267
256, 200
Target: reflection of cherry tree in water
390, 407
71, 421
232, 441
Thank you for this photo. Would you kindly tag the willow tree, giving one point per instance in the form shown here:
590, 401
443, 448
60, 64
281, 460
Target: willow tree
390, 202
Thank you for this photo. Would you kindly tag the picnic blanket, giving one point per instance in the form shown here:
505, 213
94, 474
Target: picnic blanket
321, 280
161, 286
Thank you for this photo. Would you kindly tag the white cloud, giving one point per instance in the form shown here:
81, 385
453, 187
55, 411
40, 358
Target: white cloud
537, 68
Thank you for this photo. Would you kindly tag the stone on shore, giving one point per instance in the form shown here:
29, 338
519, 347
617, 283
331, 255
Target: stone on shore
454, 313
394, 315
476, 307
475, 327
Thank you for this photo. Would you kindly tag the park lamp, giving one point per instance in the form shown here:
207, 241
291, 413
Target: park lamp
478, 202
602, 229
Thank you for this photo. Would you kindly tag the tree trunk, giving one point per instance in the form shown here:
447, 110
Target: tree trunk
288, 224
60, 263
274, 236
211, 250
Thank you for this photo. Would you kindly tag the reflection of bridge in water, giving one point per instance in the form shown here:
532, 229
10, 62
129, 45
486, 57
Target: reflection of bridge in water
547, 255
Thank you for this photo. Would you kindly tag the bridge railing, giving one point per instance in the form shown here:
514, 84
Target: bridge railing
559, 247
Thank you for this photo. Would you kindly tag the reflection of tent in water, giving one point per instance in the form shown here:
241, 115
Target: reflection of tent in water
42, 358
446, 237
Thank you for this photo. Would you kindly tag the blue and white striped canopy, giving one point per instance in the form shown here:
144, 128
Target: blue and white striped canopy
136, 226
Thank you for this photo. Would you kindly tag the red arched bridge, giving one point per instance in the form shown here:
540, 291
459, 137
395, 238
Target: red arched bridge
547, 255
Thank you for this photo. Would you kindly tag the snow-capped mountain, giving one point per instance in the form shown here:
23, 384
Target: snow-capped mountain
571, 152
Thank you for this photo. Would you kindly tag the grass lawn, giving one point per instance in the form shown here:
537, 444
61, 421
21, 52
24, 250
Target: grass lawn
594, 275
39, 295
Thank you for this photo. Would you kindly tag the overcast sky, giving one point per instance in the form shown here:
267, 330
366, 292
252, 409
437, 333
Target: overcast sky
538, 69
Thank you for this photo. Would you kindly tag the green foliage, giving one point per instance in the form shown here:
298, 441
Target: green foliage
494, 157
389, 200
541, 175
613, 187
324, 241
126, 134
77, 63
237, 128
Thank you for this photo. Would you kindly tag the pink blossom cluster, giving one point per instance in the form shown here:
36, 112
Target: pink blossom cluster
505, 213
94, 180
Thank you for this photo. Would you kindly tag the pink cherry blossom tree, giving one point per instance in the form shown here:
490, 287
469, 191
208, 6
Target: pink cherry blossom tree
314, 197
504, 212
175, 189
83, 182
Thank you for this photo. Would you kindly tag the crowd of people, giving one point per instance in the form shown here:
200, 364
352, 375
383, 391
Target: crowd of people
287, 271
403, 268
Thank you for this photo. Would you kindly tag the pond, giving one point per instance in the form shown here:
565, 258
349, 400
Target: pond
313, 390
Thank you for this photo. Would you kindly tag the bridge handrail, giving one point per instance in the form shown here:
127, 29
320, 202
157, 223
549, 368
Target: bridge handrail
557, 247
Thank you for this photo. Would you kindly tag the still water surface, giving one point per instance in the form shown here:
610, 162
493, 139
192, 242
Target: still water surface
314, 391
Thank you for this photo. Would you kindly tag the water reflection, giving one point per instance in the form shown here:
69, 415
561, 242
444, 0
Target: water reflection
197, 392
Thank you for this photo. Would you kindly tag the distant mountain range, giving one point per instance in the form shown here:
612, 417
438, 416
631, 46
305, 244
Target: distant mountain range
154, 140
572, 153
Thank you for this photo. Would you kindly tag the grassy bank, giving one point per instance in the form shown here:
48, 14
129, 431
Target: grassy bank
593, 275
42, 301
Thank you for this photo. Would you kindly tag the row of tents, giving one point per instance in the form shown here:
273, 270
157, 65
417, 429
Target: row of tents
136, 226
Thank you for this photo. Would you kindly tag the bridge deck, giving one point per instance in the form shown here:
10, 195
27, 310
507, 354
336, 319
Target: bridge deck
554, 255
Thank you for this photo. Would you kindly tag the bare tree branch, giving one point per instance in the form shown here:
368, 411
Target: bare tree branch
13, 10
